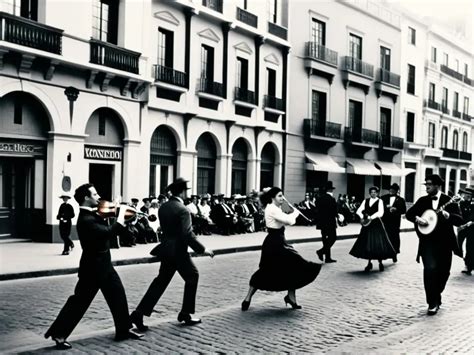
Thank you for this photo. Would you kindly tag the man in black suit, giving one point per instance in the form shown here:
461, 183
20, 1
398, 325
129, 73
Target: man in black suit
326, 214
65, 214
436, 248
95, 272
395, 207
175, 221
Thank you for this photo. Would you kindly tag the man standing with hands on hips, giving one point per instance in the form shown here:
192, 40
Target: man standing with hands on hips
395, 207
436, 248
175, 221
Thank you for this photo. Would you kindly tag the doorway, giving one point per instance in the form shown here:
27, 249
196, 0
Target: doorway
356, 186
101, 176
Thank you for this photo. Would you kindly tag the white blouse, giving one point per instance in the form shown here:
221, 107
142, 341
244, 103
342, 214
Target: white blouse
275, 218
379, 213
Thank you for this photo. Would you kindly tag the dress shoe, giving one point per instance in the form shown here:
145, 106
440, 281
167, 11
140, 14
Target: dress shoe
245, 305
330, 261
187, 319
137, 319
294, 305
130, 334
65, 252
320, 254
467, 272
394, 259
368, 267
381, 267
62, 344
432, 310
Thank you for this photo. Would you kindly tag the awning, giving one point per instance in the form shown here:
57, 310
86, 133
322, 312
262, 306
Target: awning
392, 169
361, 167
321, 162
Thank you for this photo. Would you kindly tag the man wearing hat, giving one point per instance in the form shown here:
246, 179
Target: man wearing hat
178, 235
65, 214
436, 249
326, 214
395, 207
467, 231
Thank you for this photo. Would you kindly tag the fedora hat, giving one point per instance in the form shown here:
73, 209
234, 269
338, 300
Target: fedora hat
180, 184
395, 187
435, 179
329, 186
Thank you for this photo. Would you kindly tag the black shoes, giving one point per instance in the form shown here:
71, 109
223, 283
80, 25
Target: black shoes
395, 259
130, 334
65, 252
432, 310
467, 272
381, 267
294, 305
245, 305
137, 319
62, 344
330, 261
187, 319
368, 267
320, 254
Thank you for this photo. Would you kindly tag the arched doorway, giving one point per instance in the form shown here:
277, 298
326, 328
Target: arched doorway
104, 150
267, 166
206, 170
24, 127
239, 167
163, 158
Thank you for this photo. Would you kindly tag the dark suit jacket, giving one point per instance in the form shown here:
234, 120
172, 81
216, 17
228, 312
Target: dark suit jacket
175, 221
66, 211
443, 235
392, 219
94, 236
326, 212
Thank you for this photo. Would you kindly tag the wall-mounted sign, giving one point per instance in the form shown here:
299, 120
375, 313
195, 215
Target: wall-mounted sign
21, 148
102, 153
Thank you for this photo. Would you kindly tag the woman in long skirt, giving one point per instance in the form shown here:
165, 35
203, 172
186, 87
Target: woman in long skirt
281, 268
373, 241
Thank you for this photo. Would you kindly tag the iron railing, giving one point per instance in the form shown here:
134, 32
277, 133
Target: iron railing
323, 128
456, 154
451, 72
319, 52
113, 56
274, 103
456, 114
388, 77
444, 108
277, 30
433, 104
244, 95
210, 87
361, 135
468, 81
247, 17
466, 117
358, 66
391, 141
171, 76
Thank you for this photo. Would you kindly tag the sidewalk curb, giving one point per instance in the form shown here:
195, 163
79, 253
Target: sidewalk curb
151, 259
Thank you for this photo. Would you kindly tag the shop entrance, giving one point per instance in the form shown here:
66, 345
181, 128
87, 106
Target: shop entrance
101, 176
16, 197
356, 186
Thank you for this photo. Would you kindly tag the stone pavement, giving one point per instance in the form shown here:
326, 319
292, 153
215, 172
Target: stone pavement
344, 311
23, 259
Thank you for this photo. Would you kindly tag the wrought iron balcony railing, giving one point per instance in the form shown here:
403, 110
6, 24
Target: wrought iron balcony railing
171, 76
274, 103
244, 95
316, 51
323, 128
388, 77
277, 30
391, 141
361, 135
444, 108
433, 104
358, 66
451, 72
466, 117
28, 33
215, 5
456, 154
113, 56
247, 17
210, 87
456, 113
465, 156
468, 81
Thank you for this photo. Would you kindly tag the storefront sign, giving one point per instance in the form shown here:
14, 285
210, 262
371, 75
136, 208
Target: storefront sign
22, 148
102, 153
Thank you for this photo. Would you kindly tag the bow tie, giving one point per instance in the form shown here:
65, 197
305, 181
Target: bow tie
434, 198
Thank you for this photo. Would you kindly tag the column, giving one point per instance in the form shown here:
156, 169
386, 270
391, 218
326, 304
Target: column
251, 178
187, 167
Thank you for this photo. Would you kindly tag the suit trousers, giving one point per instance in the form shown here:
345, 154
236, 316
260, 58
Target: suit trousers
437, 265
329, 238
64, 232
189, 273
85, 291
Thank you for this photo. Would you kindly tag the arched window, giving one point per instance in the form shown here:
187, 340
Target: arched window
444, 137
464, 142
239, 167
455, 140
163, 158
206, 171
267, 166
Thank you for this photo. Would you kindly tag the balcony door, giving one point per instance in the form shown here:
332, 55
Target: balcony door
105, 20
355, 120
242, 73
165, 48
385, 58
385, 125
318, 114
271, 82
207, 63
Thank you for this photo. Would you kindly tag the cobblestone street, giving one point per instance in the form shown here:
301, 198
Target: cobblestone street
345, 310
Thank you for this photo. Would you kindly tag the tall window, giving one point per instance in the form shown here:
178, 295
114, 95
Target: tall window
431, 93
207, 62
457, 65
455, 140
318, 32
355, 46
272, 10
242, 4
431, 135
105, 20
466, 105
464, 142
386, 123
242, 73
271, 82
355, 119
165, 47
445, 59
433, 54
456, 102
444, 137
385, 58
24, 8
466, 70
411, 79
444, 102
410, 127
318, 112
411, 35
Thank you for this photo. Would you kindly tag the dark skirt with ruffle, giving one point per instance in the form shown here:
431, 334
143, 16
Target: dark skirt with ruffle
373, 243
281, 267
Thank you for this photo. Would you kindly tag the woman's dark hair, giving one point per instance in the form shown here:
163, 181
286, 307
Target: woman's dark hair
267, 196
374, 188
81, 193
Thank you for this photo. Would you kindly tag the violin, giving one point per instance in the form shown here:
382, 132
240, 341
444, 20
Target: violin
107, 209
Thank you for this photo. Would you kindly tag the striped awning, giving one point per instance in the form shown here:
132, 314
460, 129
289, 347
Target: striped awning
392, 169
322, 162
361, 167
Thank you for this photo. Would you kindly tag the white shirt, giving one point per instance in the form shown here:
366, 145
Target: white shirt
192, 208
276, 218
435, 203
392, 200
156, 224
91, 209
205, 210
379, 213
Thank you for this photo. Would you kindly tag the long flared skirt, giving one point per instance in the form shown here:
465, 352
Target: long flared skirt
373, 243
281, 267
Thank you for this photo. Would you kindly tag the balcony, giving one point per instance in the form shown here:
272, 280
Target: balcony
358, 73
113, 56
432, 104
215, 5
209, 87
456, 154
468, 81
274, 103
28, 33
244, 96
444, 109
320, 128
247, 17
387, 141
452, 73
277, 30
456, 114
361, 136
172, 79
320, 60
387, 83
466, 117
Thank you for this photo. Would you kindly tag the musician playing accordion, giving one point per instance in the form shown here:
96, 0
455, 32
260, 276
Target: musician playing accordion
437, 247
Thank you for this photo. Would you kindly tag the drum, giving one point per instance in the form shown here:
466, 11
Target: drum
432, 218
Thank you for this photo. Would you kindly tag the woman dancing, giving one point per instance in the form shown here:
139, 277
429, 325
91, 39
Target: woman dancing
373, 242
281, 268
